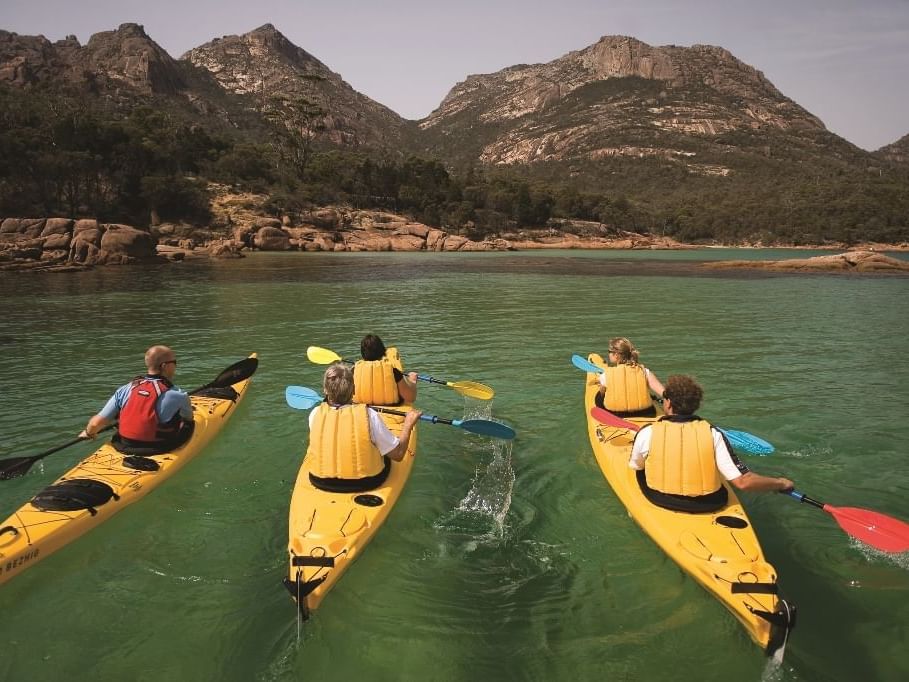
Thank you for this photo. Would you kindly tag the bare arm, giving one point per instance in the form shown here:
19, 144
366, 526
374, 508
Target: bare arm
407, 387
95, 424
655, 384
757, 483
404, 439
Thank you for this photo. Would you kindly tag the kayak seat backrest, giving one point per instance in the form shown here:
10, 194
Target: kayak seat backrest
74, 495
128, 447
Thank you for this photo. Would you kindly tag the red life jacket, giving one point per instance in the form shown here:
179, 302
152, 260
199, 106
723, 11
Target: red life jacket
138, 418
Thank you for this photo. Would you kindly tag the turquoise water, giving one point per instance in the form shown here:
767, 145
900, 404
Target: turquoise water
499, 562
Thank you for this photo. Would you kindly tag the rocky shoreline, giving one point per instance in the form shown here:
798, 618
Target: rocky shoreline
238, 225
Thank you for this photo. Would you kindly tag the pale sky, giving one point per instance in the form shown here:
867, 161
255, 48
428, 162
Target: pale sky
847, 62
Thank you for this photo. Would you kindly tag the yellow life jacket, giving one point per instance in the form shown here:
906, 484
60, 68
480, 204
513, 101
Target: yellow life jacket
339, 443
374, 380
682, 460
626, 389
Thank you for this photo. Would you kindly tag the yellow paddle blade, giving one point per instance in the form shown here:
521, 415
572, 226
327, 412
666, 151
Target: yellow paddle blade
472, 389
322, 356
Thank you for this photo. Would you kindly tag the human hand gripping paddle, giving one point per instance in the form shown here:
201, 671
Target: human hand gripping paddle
873, 528
239, 371
472, 389
740, 440
302, 398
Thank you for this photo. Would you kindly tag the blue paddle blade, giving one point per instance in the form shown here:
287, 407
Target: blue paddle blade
585, 364
486, 427
746, 442
301, 398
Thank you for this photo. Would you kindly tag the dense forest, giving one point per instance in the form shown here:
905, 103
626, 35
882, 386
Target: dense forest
74, 157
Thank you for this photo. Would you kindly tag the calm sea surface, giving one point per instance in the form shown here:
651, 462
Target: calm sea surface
510, 562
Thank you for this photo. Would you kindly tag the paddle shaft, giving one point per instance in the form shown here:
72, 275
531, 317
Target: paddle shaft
423, 417
432, 380
802, 497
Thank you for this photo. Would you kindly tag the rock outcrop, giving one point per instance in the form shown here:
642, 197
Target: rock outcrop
850, 261
898, 152
29, 243
110, 60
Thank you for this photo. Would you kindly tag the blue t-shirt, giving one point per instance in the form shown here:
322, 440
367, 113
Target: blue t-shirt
167, 406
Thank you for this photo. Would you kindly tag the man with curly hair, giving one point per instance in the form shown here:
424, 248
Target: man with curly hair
682, 460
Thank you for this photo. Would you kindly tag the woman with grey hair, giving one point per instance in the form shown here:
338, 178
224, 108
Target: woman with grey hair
350, 446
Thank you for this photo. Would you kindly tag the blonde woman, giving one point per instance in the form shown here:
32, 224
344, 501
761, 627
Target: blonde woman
626, 384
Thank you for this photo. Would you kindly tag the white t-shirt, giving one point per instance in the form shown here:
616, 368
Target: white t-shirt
379, 434
728, 467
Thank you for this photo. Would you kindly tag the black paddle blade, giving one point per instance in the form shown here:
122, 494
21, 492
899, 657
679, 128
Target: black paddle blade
239, 371
15, 467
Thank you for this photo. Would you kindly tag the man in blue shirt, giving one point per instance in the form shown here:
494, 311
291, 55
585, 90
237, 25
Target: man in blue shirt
151, 409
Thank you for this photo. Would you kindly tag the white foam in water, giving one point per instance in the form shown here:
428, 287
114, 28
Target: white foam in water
482, 511
901, 559
822, 451
773, 670
477, 409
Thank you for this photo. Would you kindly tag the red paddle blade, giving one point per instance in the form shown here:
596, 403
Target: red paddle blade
608, 418
873, 528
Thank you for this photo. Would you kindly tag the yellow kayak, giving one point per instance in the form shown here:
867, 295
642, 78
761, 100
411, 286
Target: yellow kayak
327, 530
106, 481
718, 549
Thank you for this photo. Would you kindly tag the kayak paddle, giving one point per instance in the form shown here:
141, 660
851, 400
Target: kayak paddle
608, 418
483, 427
322, 356
741, 440
873, 528
239, 371
585, 364
472, 389
302, 398
747, 442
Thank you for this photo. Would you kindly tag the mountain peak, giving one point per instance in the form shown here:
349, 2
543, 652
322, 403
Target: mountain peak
617, 96
266, 28
130, 57
265, 65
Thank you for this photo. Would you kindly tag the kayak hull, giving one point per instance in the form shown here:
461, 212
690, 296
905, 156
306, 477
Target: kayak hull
328, 530
32, 533
720, 549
